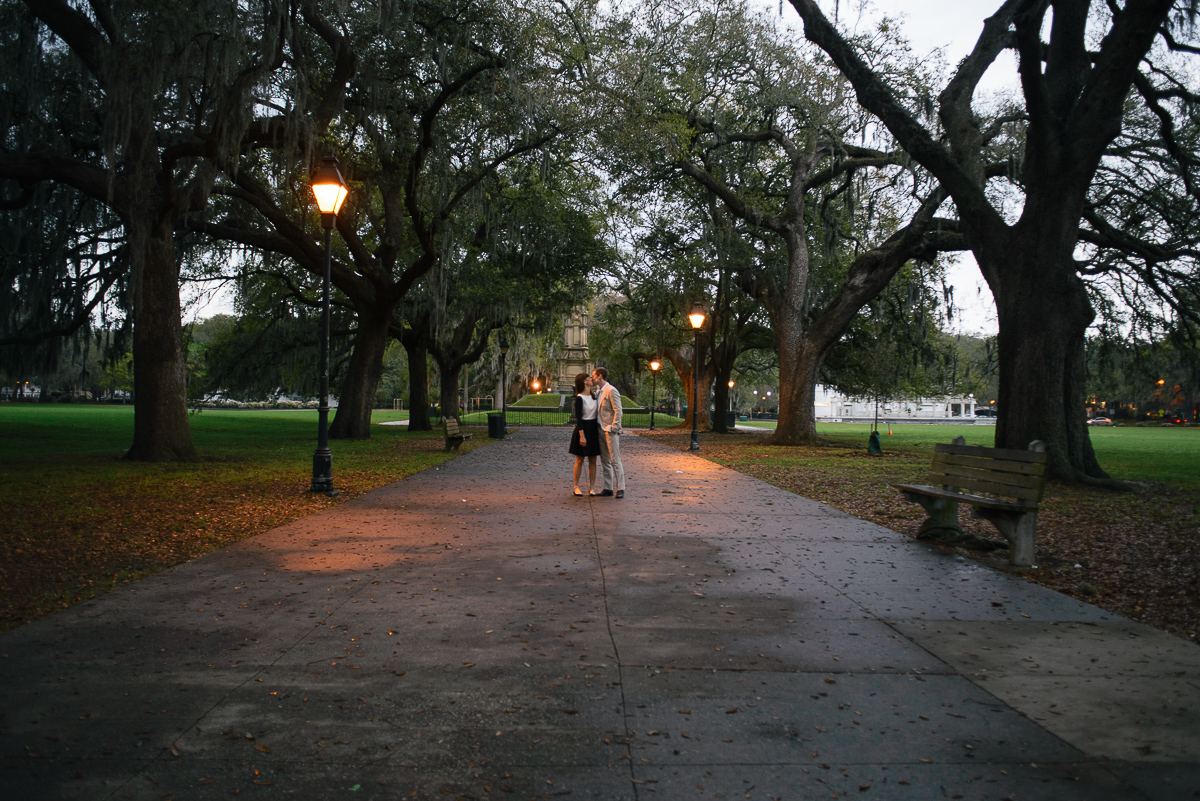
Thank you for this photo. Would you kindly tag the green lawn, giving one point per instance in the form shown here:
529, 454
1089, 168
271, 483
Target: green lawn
1138, 453
33, 434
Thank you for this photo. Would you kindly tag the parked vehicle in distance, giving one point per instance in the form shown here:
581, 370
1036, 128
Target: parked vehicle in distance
1100, 421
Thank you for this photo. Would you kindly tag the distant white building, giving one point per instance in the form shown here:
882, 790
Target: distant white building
831, 405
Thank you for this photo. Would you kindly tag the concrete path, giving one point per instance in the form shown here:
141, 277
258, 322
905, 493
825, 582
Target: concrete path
475, 631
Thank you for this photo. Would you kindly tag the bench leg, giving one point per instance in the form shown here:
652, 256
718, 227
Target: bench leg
1018, 528
942, 523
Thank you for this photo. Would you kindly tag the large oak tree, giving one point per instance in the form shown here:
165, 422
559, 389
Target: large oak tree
157, 96
1078, 61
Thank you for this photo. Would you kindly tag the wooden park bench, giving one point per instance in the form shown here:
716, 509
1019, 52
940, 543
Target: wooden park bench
1001, 485
454, 437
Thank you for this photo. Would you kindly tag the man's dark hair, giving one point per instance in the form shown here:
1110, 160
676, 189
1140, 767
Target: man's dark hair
603, 371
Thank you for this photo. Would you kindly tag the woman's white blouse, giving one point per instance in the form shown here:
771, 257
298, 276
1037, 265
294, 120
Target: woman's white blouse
590, 405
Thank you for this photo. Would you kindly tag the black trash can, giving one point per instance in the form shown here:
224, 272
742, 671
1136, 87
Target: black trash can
730, 420
496, 425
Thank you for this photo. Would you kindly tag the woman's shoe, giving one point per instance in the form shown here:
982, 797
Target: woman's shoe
578, 494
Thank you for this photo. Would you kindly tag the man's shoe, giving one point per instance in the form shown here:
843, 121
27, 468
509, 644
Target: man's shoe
607, 493
620, 493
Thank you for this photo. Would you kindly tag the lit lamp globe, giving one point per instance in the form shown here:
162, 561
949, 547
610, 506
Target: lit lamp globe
330, 190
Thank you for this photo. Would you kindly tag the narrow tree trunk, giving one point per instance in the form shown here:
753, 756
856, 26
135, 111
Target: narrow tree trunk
160, 423
418, 387
357, 397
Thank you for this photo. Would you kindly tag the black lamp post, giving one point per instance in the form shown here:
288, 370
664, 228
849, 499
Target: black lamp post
730, 401
330, 190
696, 315
503, 388
654, 365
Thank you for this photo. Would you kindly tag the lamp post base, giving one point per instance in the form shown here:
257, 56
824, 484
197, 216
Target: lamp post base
695, 446
322, 480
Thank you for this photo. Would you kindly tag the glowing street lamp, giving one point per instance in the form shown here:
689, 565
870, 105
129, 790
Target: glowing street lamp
696, 316
655, 364
330, 190
731, 383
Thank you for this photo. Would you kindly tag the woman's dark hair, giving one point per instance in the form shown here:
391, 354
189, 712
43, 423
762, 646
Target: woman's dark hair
580, 380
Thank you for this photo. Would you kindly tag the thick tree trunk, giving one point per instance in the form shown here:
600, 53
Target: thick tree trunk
160, 424
703, 422
721, 404
448, 396
357, 397
418, 387
798, 369
798, 364
1044, 315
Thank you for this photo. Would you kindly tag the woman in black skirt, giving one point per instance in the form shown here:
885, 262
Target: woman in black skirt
585, 439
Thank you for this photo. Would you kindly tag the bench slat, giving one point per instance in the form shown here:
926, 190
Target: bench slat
999, 465
993, 453
984, 484
1003, 483
964, 497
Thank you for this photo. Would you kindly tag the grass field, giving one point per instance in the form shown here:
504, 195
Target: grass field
1170, 454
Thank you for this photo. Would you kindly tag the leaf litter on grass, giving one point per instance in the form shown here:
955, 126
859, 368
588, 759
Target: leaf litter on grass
71, 540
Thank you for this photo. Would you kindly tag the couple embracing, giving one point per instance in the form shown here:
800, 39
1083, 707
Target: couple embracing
598, 432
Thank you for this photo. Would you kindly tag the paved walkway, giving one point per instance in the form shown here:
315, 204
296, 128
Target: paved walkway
475, 631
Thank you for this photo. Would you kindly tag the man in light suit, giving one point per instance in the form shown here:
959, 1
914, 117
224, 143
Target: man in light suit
608, 414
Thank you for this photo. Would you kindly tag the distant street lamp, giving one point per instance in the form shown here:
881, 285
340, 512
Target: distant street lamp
731, 400
654, 365
696, 316
329, 189
536, 385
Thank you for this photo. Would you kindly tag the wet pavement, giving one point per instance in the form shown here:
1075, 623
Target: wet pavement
476, 631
